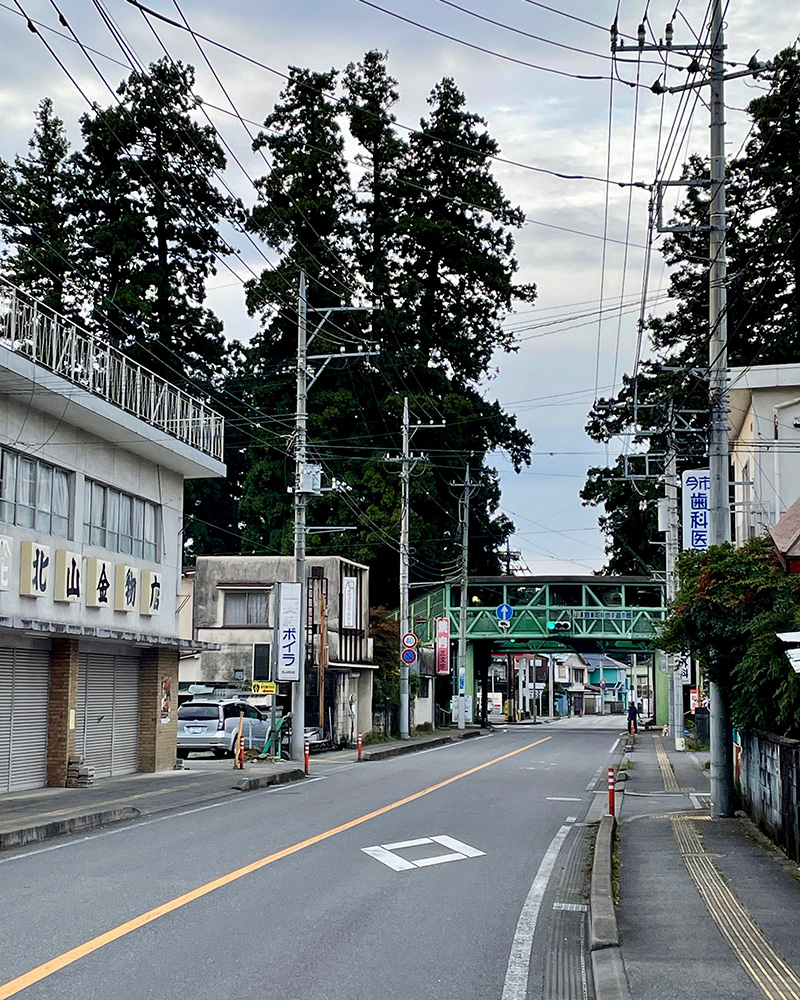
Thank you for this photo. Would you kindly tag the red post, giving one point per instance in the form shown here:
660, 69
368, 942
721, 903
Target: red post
360, 745
306, 752
611, 791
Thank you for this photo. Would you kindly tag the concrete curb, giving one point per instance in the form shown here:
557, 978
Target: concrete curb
73, 824
396, 749
265, 780
608, 969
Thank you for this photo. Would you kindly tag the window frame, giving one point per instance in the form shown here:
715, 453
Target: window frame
251, 595
28, 492
114, 526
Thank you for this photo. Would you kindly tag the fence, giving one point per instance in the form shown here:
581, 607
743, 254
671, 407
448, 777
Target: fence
770, 780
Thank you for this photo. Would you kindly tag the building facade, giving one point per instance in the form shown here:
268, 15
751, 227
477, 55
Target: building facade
94, 450
229, 601
764, 438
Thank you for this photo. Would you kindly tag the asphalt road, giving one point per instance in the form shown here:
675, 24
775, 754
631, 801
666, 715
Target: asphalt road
274, 894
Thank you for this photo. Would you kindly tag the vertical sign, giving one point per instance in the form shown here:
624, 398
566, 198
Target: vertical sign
696, 484
349, 609
126, 588
99, 585
150, 592
289, 623
69, 579
442, 645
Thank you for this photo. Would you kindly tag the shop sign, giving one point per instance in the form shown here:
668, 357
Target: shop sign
99, 583
349, 610
126, 588
442, 645
6, 561
34, 569
69, 576
696, 485
150, 592
289, 632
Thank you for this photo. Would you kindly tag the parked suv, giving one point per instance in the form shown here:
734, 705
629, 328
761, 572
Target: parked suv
212, 724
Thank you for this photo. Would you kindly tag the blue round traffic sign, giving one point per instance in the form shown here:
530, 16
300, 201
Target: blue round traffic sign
409, 656
504, 612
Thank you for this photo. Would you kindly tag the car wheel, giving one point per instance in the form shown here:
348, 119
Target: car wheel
220, 752
182, 753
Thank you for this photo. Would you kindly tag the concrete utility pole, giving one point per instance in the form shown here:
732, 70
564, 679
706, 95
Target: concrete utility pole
718, 448
405, 481
300, 502
462, 608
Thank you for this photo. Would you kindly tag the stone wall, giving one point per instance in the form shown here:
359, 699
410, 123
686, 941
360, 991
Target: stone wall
770, 786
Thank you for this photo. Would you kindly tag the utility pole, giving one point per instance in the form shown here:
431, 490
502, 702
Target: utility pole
718, 447
405, 481
300, 502
462, 608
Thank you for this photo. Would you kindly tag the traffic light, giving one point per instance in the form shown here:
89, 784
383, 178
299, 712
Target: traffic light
559, 626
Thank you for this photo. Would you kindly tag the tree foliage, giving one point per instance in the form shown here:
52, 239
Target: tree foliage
729, 606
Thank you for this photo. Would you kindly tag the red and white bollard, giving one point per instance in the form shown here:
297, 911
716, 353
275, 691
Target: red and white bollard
611, 791
306, 753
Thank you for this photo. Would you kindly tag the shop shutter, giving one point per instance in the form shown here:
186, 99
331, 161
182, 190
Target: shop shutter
24, 683
108, 713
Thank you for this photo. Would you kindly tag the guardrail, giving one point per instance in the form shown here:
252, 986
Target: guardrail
32, 329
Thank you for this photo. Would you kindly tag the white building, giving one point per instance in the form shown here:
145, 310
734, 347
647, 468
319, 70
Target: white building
765, 445
228, 601
94, 450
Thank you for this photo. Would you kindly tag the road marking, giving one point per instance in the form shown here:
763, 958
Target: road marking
572, 907
616, 744
667, 773
698, 796
571, 819
515, 986
385, 853
594, 780
757, 954
558, 798
46, 969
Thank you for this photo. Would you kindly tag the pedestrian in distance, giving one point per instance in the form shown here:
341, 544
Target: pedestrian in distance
633, 715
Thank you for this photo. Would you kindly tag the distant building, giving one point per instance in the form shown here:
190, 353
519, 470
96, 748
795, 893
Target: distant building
94, 451
765, 445
228, 601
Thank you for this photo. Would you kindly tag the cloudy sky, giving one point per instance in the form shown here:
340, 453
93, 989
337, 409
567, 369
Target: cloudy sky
544, 119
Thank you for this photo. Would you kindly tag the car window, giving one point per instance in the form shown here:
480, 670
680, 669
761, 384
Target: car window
190, 711
232, 711
251, 712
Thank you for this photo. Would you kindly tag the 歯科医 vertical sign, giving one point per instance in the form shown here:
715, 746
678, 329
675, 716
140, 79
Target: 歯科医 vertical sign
696, 484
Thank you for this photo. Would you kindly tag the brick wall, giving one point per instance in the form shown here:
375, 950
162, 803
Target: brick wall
158, 736
62, 705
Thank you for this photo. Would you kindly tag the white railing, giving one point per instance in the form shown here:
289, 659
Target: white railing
32, 329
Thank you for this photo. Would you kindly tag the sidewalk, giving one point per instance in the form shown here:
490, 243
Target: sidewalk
33, 816
707, 909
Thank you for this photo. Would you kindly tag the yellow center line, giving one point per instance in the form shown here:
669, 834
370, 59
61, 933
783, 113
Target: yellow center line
14, 986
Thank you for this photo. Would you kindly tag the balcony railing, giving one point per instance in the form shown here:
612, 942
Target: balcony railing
32, 329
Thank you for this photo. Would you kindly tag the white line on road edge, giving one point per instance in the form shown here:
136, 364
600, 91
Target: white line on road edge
593, 782
558, 798
616, 744
519, 961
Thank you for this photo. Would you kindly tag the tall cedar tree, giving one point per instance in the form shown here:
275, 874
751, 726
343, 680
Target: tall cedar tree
372, 243
36, 214
763, 266
150, 215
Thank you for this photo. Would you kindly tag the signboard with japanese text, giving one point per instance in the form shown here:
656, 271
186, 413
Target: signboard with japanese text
68, 576
126, 588
289, 624
99, 583
349, 604
150, 592
696, 484
34, 569
442, 646
6, 561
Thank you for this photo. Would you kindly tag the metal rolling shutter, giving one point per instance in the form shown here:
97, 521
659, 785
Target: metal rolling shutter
108, 713
24, 684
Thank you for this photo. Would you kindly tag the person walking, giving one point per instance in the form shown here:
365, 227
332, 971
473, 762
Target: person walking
633, 715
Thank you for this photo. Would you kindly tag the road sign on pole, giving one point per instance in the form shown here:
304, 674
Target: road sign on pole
504, 612
409, 656
409, 640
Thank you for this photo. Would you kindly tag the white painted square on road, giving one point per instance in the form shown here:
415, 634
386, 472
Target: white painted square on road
457, 851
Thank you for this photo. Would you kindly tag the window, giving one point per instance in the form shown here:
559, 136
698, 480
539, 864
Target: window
120, 522
245, 607
261, 664
34, 494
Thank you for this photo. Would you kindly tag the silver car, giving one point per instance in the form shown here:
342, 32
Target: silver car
212, 724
